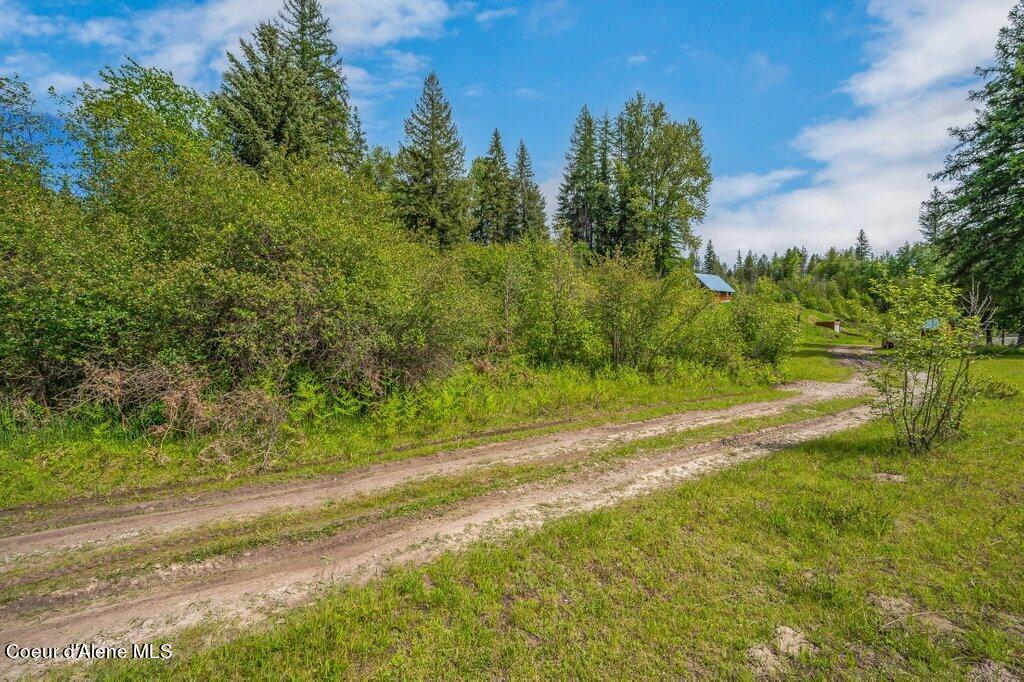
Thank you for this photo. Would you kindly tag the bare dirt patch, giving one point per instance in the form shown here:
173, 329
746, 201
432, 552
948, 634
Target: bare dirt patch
789, 642
901, 610
992, 671
764, 662
772, 661
860, 357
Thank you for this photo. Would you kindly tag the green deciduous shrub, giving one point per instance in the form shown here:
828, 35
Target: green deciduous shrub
925, 383
766, 324
179, 255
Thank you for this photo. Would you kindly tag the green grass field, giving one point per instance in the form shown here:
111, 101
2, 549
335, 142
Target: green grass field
811, 360
886, 579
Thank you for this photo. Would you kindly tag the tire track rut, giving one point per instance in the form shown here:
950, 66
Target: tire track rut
134, 521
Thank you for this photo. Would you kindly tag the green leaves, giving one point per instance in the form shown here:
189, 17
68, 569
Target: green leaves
925, 383
23, 132
640, 184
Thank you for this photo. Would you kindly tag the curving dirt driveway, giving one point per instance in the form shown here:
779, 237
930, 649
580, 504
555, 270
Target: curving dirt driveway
244, 588
131, 521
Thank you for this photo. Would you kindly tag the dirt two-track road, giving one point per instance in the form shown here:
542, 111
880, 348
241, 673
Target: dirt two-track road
163, 600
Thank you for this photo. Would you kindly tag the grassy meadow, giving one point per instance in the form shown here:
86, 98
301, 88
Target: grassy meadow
912, 573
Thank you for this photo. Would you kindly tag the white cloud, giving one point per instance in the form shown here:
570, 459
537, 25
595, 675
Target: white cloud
872, 169
489, 16
475, 90
550, 16
732, 189
16, 21
190, 40
40, 72
637, 59
926, 43
527, 93
407, 62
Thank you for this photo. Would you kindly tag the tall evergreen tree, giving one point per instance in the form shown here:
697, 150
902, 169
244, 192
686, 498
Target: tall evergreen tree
750, 268
430, 190
862, 248
307, 33
578, 192
492, 210
604, 199
267, 101
711, 263
662, 180
932, 216
359, 148
529, 217
984, 223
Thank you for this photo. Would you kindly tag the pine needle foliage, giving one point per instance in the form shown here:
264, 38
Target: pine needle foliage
430, 187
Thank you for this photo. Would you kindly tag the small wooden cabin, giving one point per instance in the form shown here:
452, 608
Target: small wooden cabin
716, 285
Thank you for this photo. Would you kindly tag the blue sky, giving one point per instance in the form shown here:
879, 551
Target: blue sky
821, 118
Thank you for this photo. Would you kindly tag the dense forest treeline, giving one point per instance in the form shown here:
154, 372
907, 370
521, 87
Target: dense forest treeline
253, 239
840, 281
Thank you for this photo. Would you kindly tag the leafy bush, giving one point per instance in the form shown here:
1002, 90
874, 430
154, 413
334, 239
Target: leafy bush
767, 326
925, 383
178, 255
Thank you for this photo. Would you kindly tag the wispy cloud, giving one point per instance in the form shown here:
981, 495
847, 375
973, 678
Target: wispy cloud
527, 93
41, 72
17, 21
550, 16
731, 189
191, 39
407, 62
475, 90
872, 168
764, 71
489, 16
637, 59
923, 44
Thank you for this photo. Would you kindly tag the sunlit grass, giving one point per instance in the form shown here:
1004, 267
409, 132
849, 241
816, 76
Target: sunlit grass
685, 582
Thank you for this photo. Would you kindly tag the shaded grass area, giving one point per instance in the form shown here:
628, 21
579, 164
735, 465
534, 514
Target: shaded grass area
685, 582
75, 460
70, 570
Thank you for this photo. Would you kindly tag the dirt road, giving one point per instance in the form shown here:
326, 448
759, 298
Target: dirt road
244, 587
132, 521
